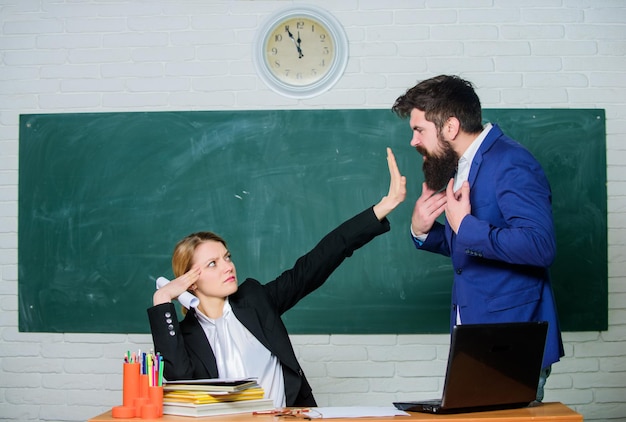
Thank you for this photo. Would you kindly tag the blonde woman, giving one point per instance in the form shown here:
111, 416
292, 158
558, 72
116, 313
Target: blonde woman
236, 331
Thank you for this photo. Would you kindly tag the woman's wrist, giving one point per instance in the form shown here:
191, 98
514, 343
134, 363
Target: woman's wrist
384, 207
160, 297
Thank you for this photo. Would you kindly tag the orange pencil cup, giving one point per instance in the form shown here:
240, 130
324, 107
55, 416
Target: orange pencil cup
130, 383
142, 398
130, 391
143, 385
155, 407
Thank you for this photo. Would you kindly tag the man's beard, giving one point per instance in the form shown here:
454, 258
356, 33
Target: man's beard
439, 168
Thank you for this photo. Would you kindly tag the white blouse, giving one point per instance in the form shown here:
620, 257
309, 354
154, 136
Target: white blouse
239, 354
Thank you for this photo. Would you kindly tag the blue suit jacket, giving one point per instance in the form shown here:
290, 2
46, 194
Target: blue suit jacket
503, 250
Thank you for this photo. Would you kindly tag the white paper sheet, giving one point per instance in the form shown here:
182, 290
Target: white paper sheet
354, 412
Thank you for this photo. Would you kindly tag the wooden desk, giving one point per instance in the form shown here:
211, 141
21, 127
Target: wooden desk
546, 412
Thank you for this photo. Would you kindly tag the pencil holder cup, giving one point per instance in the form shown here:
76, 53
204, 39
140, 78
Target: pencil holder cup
156, 398
153, 408
130, 391
130, 383
143, 385
124, 412
140, 402
142, 398
149, 411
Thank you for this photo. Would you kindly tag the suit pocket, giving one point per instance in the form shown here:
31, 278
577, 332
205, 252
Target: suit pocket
514, 299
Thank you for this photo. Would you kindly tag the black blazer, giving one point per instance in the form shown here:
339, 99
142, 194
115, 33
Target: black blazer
186, 350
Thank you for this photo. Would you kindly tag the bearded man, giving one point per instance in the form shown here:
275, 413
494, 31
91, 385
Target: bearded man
499, 229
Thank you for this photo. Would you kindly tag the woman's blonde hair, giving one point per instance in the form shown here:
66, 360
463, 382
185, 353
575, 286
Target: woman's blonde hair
183, 252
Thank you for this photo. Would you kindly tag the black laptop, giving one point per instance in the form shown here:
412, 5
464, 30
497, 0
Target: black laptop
490, 366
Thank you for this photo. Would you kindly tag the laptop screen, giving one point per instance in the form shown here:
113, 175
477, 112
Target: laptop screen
494, 364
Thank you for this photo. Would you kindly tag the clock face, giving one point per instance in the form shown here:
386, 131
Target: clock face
301, 51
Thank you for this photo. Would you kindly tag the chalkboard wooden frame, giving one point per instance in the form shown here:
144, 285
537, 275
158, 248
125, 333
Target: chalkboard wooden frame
103, 198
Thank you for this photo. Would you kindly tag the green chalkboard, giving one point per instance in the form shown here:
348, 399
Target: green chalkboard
103, 198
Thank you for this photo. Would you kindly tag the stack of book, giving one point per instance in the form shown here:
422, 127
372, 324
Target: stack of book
209, 397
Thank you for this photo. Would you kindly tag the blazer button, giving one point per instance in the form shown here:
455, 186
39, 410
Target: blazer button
172, 333
171, 328
168, 315
459, 270
169, 320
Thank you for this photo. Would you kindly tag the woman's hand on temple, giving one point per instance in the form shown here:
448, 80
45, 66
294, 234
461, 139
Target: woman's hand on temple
176, 287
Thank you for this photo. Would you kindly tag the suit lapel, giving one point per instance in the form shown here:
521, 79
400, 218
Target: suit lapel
490, 139
248, 317
251, 319
194, 334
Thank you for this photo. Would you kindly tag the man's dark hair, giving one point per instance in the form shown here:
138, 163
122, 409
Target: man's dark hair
440, 98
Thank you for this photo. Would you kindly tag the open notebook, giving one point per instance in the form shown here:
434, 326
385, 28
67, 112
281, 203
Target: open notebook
490, 366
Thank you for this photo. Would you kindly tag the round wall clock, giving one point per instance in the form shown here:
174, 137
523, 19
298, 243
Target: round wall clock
301, 51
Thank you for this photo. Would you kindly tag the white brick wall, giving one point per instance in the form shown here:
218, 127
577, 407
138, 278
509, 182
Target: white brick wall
67, 56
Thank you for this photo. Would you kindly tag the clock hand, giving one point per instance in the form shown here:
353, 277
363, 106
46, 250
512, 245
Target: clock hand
299, 49
297, 45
